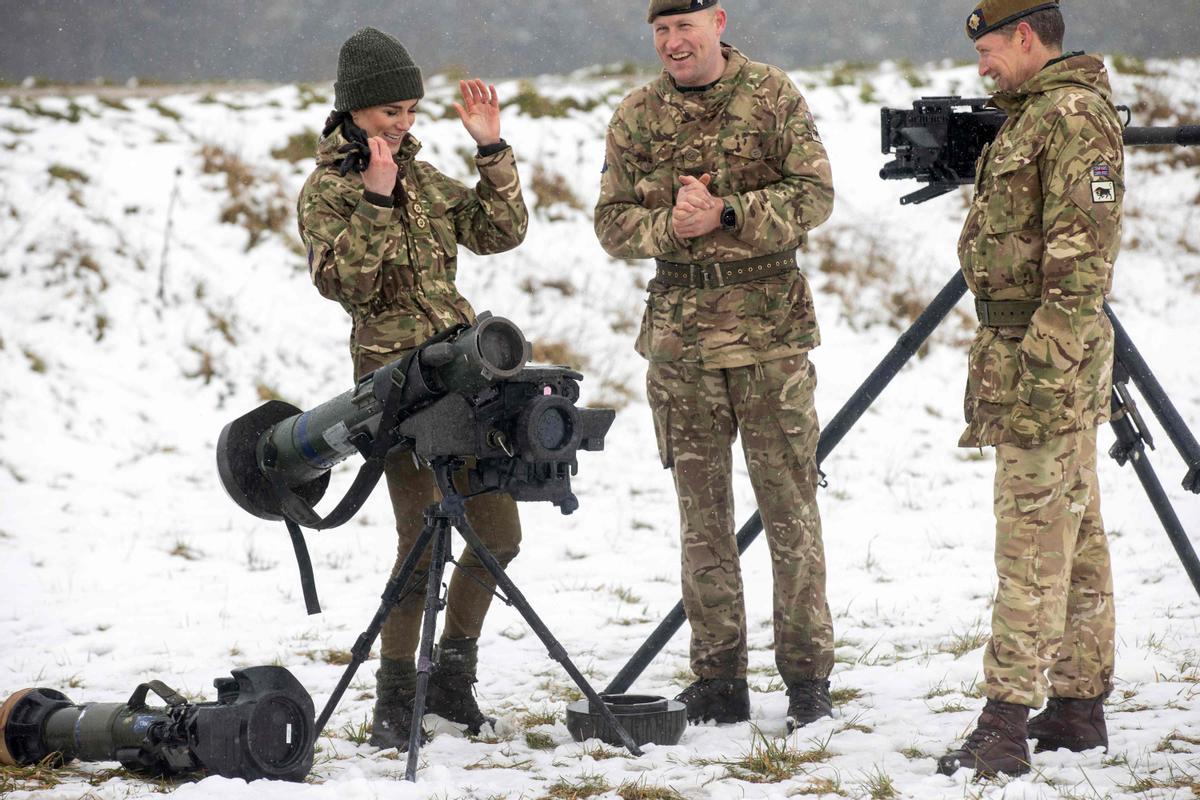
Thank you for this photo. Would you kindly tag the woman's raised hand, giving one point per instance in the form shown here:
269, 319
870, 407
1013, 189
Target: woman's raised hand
380, 175
479, 111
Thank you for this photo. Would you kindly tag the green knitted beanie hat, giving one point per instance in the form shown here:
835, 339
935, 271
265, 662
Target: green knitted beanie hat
374, 69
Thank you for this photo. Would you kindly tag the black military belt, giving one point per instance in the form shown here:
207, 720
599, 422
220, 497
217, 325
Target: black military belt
1001, 313
712, 276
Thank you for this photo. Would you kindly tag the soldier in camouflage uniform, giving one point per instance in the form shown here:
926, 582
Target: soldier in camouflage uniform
1037, 250
717, 172
382, 231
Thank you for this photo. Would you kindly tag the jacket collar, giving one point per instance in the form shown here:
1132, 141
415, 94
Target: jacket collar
1072, 69
329, 148
717, 96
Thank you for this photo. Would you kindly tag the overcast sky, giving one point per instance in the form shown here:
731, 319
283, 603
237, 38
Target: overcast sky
289, 40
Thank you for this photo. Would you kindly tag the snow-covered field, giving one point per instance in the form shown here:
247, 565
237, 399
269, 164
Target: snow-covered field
152, 289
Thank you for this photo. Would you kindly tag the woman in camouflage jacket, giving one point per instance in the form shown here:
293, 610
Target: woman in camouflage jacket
382, 232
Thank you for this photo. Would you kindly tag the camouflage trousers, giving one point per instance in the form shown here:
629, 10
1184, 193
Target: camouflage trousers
697, 414
1053, 623
494, 519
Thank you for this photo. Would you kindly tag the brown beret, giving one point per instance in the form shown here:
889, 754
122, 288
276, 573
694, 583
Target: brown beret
993, 14
663, 8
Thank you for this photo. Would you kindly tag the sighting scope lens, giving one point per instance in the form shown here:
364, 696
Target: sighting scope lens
502, 346
493, 349
547, 428
553, 429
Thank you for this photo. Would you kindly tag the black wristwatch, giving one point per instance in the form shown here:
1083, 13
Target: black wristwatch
728, 217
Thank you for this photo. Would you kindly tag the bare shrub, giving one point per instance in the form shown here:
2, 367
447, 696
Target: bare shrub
550, 188
561, 353
300, 146
256, 202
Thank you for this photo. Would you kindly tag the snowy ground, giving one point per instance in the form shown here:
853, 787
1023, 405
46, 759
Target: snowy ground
135, 322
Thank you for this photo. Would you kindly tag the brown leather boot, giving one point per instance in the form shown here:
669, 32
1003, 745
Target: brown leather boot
1075, 724
997, 745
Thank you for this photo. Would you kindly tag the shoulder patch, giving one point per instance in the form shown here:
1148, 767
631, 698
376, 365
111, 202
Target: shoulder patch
1103, 188
1103, 192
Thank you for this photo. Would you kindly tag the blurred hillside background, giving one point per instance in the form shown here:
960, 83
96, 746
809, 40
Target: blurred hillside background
297, 40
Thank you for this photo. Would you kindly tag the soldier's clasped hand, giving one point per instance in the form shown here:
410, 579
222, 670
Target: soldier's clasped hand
696, 211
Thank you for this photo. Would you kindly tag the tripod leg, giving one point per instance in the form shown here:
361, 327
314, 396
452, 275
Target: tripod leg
433, 602
866, 394
362, 647
553, 647
1129, 447
1160, 404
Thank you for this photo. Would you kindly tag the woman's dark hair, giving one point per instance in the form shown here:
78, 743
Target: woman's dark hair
357, 152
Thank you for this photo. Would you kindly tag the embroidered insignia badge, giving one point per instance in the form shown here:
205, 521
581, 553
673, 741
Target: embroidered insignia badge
1104, 192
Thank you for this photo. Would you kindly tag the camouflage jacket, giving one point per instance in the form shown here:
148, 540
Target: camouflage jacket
393, 269
753, 133
1045, 225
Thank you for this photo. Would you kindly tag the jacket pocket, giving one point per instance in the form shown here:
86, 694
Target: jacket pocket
381, 338
994, 366
750, 163
796, 316
654, 173
661, 335
1014, 190
437, 209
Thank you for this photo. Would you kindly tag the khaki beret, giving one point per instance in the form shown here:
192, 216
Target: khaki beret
992, 14
662, 8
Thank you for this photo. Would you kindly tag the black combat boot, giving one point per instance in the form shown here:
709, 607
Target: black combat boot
808, 701
1068, 722
719, 699
452, 685
395, 689
997, 745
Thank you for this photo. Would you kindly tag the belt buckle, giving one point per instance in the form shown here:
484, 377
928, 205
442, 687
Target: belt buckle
717, 274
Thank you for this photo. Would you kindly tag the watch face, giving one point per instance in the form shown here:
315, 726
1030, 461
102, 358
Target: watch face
728, 217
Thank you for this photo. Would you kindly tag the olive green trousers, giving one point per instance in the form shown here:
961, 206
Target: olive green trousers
492, 516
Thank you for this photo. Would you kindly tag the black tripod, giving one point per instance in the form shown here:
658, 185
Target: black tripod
440, 517
1132, 439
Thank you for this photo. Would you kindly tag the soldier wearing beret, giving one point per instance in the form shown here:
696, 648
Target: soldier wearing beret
716, 170
383, 231
1037, 250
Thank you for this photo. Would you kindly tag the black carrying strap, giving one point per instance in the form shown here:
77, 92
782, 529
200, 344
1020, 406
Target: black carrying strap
138, 699
298, 512
308, 583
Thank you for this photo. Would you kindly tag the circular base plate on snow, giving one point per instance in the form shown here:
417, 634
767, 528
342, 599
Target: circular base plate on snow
648, 719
